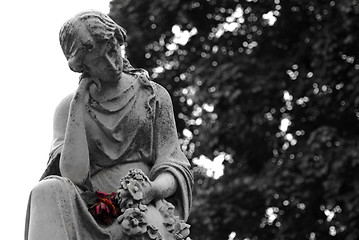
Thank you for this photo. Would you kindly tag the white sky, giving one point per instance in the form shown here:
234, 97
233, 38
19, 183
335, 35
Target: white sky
34, 78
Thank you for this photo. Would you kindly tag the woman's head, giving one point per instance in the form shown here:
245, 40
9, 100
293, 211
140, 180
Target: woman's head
91, 42
91, 26
88, 31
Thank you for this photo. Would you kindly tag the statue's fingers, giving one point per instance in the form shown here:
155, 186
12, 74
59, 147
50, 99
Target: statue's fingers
97, 82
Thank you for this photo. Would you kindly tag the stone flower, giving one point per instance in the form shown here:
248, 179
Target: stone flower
129, 194
134, 222
125, 199
181, 229
153, 233
134, 189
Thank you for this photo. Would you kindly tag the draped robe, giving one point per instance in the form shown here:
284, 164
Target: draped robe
135, 127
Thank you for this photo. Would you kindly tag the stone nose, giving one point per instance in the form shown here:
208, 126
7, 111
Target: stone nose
75, 64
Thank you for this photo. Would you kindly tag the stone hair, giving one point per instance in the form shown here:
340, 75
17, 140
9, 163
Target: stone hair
100, 26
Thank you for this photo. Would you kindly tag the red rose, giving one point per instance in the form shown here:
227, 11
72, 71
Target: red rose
104, 210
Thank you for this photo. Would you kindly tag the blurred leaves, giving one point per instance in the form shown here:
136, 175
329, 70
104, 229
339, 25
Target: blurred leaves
273, 85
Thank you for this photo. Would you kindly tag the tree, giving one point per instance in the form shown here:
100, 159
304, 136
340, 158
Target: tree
270, 87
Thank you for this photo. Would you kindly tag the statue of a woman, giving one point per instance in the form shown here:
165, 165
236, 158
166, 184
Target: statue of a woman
116, 170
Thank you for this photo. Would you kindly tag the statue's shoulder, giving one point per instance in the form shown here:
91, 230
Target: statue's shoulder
61, 116
63, 107
155, 89
161, 92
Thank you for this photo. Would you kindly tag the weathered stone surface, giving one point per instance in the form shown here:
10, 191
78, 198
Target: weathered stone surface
116, 170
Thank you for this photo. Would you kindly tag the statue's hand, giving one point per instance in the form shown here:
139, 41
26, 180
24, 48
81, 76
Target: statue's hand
135, 188
155, 190
83, 90
142, 191
149, 192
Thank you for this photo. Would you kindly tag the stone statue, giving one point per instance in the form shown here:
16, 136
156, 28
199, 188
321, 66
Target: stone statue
116, 170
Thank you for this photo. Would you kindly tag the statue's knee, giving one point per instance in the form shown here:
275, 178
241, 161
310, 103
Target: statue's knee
50, 185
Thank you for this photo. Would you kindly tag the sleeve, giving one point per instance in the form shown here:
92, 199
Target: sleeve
168, 155
59, 128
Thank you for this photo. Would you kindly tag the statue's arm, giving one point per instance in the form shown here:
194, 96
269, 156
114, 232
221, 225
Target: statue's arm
59, 127
60, 121
164, 186
74, 160
171, 170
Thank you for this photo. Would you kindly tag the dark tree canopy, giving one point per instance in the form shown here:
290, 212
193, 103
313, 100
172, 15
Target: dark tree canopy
271, 87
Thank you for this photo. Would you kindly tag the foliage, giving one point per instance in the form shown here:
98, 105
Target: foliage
269, 86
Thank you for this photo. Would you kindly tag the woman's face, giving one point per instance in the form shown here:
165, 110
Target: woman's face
101, 59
